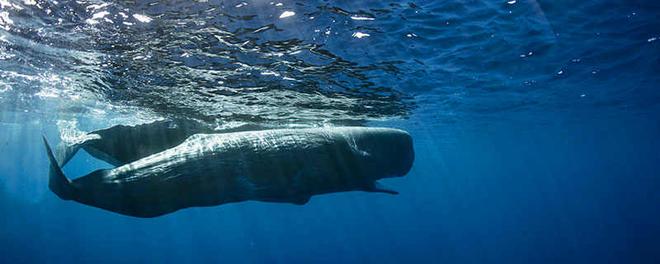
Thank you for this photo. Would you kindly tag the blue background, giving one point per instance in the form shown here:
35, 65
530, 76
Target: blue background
505, 192
536, 128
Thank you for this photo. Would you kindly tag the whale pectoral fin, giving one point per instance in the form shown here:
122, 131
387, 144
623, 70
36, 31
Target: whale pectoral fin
377, 187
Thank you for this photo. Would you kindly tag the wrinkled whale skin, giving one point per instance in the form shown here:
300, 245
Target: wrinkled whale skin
283, 165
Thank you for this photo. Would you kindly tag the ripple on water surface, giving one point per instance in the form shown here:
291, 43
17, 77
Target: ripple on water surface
310, 61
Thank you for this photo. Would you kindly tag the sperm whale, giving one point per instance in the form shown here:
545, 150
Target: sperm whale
280, 165
109, 144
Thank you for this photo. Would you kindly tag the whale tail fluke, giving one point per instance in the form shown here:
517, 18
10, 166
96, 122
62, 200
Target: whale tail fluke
57, 182
65, 151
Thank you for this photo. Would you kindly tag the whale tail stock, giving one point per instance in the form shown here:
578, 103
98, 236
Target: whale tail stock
57, 181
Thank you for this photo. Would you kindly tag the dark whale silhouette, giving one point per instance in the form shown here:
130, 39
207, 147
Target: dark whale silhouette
281, 165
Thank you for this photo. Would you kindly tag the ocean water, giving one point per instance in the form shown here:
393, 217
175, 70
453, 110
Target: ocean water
536, 125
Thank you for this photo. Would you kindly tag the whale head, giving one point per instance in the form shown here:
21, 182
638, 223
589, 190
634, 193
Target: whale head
382, 152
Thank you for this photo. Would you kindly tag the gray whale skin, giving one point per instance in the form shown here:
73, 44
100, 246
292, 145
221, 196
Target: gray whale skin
280, 165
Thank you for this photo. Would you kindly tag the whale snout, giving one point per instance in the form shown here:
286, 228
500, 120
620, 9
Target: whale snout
390, 151
404, 154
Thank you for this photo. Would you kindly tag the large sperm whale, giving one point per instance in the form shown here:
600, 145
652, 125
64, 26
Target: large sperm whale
281, 165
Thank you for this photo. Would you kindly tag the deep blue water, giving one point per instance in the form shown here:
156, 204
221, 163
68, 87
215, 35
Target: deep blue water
536, 125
